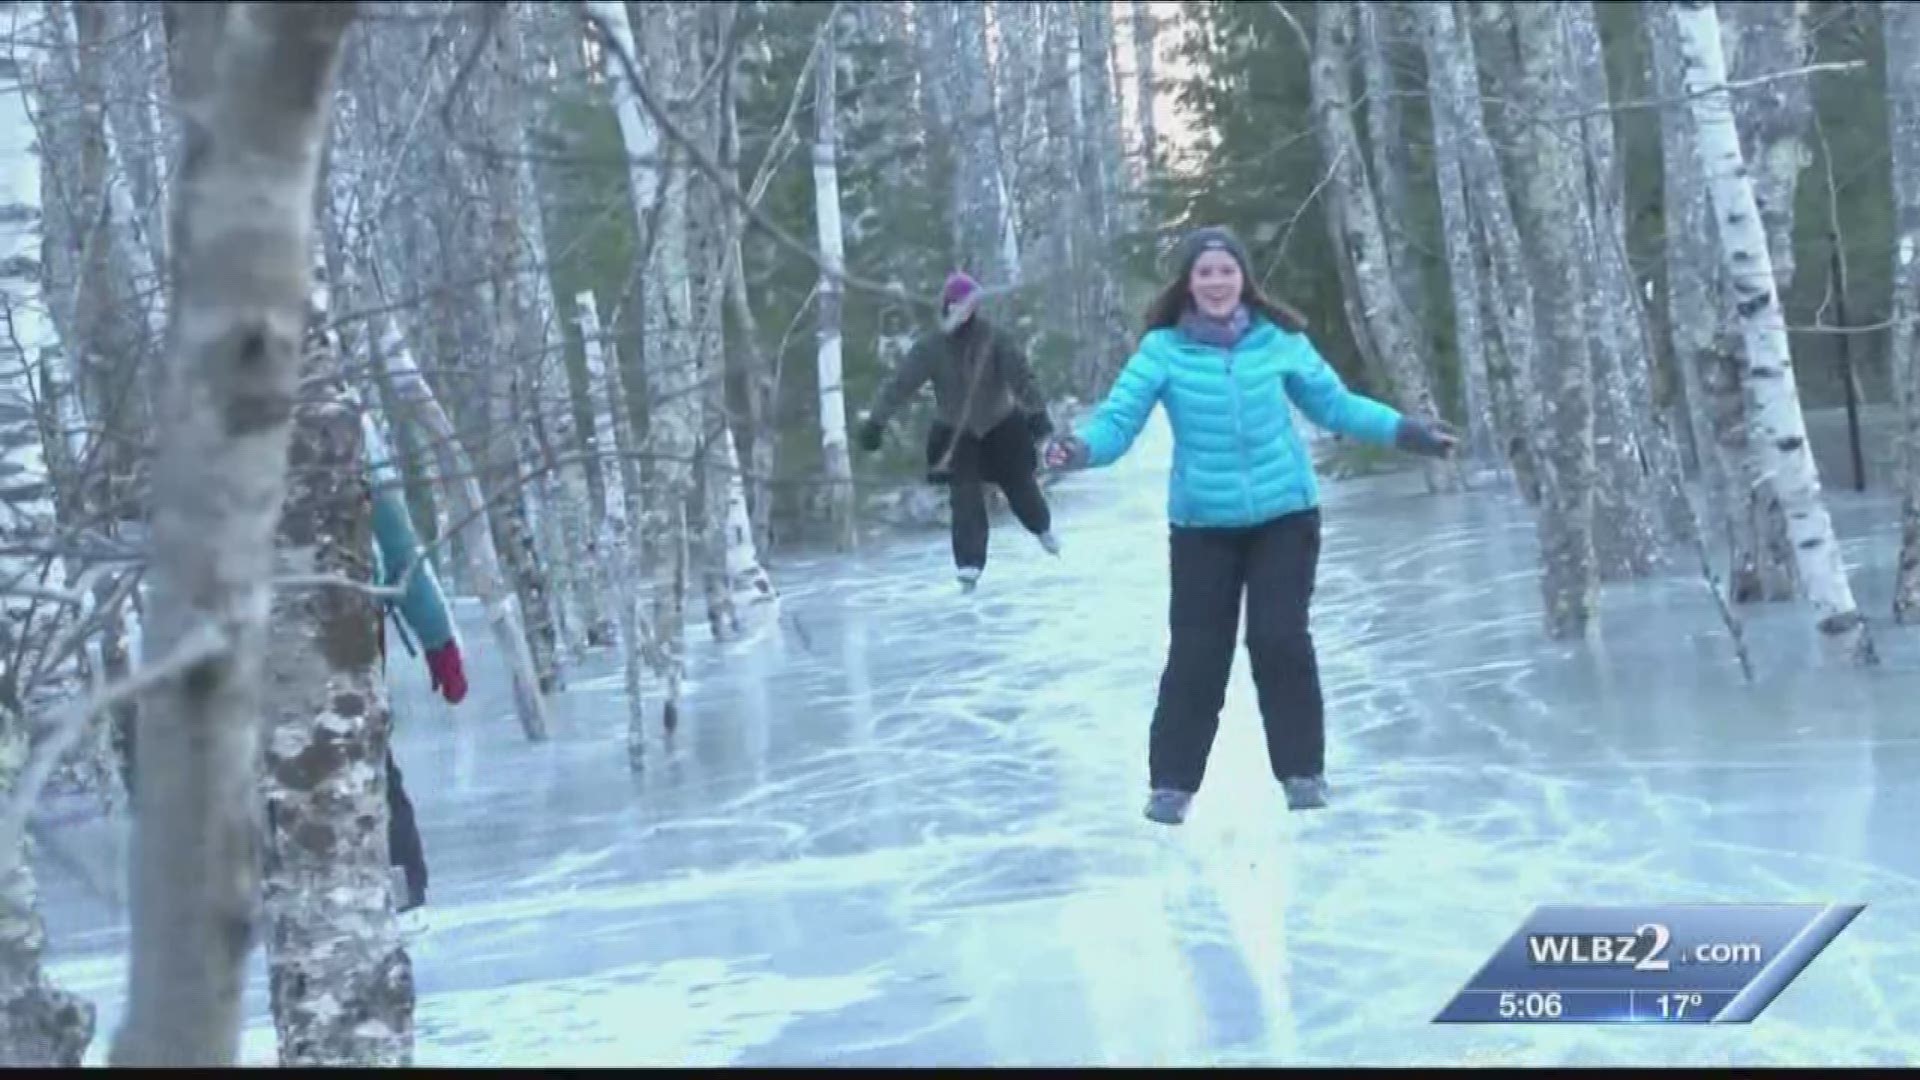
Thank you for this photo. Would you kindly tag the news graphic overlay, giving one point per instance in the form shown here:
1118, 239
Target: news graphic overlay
1653, 964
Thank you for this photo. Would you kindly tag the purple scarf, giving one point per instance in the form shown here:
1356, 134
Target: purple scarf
1220, 333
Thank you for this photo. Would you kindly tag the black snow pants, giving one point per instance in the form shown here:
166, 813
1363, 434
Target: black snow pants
1003, 456
1273, 566
403, 837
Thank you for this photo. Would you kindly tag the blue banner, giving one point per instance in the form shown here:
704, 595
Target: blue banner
1664, 963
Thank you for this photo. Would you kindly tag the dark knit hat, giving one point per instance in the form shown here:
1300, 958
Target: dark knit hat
959, 299
1212, 238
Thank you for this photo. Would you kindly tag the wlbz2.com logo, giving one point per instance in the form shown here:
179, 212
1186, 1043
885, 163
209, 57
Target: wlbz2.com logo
1687, 963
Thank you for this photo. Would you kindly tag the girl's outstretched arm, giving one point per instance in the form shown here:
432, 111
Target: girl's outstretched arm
1317, 389
1113, 427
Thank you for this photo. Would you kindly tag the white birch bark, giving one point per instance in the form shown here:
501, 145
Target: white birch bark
738, 576
519, 349
253, 98
616, 540
1900, 26
826, 215
1387, 164
673, 379
1471, 342
1773, 120
1779, 426
468, 515
1385, 319
1628, 530
979, 185
641, 140
1146, 86
340, 983
1709, 360
1106, 336
1551, 192
41, 1025
1507, 294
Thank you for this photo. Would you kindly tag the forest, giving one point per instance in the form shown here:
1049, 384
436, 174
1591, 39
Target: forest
603, 287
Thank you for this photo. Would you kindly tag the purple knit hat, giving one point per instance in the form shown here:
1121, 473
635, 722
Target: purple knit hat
959, 299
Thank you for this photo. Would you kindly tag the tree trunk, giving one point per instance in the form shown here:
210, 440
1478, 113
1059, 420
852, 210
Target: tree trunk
1488, 426
1508, 293
616, 542
518, 348
1708, 362
1779, 426
757, 370
1900, 25
563, 489
1108, 336
341, 984
673, 381
467, 515
1629, 507
1551, 191
40, 1024
1387, 161
1773, 120
253, 95
826, 215
1146, 90
1384, 319
980, 183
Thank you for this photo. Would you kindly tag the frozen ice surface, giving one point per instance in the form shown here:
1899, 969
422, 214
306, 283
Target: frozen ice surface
902, 826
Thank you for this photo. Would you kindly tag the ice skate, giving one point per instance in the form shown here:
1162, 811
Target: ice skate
1050, 542
1305, 792
412, 924
969, 580
1168, 807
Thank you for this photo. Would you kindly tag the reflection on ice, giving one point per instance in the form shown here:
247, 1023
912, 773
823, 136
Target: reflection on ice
902, 827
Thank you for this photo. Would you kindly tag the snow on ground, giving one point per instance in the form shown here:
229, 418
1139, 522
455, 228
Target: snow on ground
902, 827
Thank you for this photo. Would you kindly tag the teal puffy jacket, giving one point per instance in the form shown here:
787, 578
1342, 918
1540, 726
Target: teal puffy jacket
1237, 460
422, 606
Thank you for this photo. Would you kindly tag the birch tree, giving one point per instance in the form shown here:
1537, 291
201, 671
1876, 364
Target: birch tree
1551, 193
1779, 426
1706, 353
980, 182
421, 405
1774, 120
340, 984
40, 1024
1146, 87
253, 88
826, 213
518, 345
641, 140
1491, 422
1384, 320
1900, 27
1388, 166
1636, 511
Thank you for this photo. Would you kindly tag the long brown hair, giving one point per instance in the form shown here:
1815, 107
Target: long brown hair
1173, 301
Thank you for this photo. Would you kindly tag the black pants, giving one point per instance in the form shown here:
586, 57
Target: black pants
403, 836
1273, 565
1003, 456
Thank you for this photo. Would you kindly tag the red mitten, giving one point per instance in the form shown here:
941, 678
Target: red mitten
448, 676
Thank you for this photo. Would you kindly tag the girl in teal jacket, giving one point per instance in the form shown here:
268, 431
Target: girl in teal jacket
421, 614
1243, 506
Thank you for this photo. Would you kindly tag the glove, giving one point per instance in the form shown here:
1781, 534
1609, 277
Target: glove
1069, 452
868, 436
1425, 437
1039, 425
449, 678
